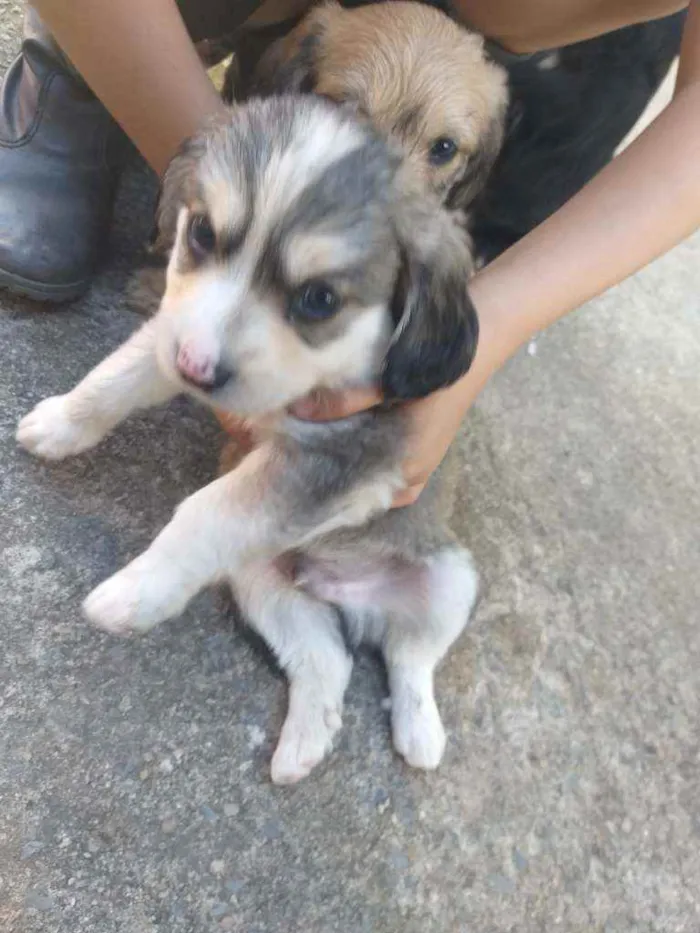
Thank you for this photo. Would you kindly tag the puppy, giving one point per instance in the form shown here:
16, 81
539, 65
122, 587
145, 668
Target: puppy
303, 255
423, 81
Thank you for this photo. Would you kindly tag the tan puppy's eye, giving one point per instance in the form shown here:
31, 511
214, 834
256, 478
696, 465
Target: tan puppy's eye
442, 151
201, 238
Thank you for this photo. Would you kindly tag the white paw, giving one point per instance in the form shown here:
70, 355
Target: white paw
135, 599
49, 432
418, 733
307, 737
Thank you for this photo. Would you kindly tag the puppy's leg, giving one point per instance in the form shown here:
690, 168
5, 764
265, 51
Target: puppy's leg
128, 379
205, 541
254, 512
412, 654
305, 637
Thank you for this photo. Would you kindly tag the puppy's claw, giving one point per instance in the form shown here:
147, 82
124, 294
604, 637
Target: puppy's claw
49, 432
304, 742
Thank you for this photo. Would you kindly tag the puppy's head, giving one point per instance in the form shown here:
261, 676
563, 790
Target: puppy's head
303, 256
422, 80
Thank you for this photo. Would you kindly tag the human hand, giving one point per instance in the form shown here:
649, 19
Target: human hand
434, 420
433, 424
241, 438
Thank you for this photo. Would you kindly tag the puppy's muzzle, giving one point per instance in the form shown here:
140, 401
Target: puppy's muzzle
200, 369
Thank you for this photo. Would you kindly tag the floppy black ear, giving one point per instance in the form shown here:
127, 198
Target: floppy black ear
436, 323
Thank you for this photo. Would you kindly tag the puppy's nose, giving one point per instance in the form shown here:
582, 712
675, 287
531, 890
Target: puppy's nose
201, 369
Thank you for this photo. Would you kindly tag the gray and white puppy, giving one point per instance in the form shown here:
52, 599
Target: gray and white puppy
301, 257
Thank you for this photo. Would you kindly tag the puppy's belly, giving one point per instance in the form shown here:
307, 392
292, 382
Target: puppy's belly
388, 585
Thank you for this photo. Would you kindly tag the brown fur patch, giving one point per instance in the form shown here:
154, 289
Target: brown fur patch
413, 71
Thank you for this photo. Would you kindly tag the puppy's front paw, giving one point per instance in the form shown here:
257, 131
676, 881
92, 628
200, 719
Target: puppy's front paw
49, 432
113, 606
135, 599
307, 736
418, 733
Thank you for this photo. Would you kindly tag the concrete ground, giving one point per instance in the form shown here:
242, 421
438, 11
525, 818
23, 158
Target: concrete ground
134, 789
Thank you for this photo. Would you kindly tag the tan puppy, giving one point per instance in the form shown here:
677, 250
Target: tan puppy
421, 79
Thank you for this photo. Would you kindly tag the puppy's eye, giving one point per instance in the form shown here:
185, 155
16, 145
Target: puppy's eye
442, 151
314, 301
201, 238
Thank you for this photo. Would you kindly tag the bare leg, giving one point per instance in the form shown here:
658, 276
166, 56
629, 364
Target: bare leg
304, 635
128, 379
141, 63
412, 654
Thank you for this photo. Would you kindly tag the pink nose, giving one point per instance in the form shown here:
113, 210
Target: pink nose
201, 369
195, 365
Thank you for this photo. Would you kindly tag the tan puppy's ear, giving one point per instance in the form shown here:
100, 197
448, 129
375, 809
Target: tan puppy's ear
436, 323
467, 187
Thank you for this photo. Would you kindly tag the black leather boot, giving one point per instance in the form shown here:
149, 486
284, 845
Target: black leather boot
61, 155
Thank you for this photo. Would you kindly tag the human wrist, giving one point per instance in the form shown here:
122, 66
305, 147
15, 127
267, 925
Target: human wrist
503, 328
498, 340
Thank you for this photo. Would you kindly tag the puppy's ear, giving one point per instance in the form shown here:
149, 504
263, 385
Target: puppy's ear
467, 187
288, 65
436, 323
177, 188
